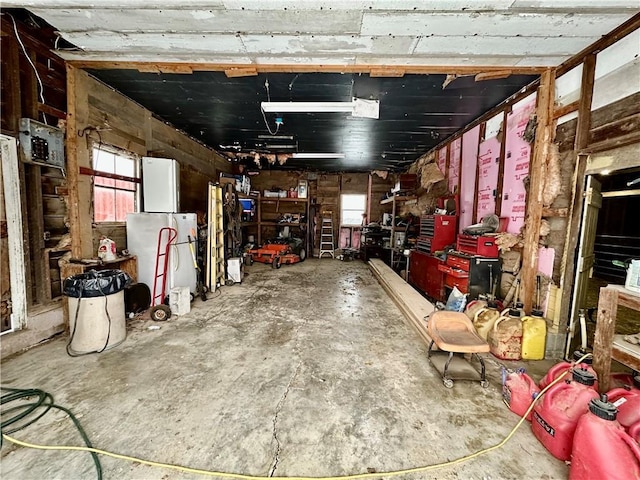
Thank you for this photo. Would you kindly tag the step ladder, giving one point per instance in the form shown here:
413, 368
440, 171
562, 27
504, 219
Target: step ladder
327, 244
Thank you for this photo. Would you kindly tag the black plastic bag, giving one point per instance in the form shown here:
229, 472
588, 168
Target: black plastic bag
95, 283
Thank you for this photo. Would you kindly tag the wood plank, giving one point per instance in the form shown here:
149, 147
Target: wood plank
54, 112
494, 75
575, 207
537, 173
619, 127
241, 72
11, 111
632, 138
555, 212
72, 163
35, 218
302, 68
565, 110
415, 307
503, 150
603, 340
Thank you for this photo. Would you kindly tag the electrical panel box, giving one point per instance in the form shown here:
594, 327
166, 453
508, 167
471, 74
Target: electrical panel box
41, 144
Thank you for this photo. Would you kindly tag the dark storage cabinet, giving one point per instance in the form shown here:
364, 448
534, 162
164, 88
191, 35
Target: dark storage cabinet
471, 274
425, 275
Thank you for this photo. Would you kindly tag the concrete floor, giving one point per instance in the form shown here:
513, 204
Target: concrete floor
308, 370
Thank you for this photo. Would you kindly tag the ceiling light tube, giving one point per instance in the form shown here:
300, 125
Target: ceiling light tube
276, 146
307, 107
317, 155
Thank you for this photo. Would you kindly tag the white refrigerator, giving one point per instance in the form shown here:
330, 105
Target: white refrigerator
142, 241
160, 184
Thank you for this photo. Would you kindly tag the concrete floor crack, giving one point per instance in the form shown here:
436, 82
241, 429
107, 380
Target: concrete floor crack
276, 457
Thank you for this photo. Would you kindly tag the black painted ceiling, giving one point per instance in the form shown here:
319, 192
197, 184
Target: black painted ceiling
416, 113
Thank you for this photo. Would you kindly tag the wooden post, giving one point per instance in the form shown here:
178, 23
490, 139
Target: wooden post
607, 312
537, 175
481, 133
503, 152
72, 163
575, 209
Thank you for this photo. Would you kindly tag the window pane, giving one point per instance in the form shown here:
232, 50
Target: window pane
125, 166
352, 208
125, 203
352, 217
353, 202
105, 182
114, 199
103, 161
103, 204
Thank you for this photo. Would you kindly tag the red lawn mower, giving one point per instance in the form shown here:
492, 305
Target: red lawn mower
278, 252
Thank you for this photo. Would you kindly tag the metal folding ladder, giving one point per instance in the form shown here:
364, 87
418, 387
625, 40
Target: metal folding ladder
327, 242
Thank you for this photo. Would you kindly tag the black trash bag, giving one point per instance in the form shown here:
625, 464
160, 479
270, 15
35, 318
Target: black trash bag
95, 283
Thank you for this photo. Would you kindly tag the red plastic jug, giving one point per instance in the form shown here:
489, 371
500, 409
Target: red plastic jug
559, 368
602, 449
555, 417
628, 404
634, 432
518, 391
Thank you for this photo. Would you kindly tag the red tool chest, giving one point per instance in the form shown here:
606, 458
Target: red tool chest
436, 232
424, 274
481, 245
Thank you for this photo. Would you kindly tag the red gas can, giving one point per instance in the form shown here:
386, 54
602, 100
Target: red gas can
559, 368
628, 404
602, 449
518, 391
634, 432
555, 417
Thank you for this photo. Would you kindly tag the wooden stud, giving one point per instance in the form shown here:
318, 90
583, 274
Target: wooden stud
11, 110
605, 329
481, 134
537, 175
566, 109
54, 112
503, 150
73, 172
575, 207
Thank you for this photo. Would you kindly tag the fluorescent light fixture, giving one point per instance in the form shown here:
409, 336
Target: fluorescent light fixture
276, 146
275, 137
357, 107
307, 107
317, 155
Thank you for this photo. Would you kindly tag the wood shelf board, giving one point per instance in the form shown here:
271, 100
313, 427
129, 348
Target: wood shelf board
399, 198
284, 224
284, 199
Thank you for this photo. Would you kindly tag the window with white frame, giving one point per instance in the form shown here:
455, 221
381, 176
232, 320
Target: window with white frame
352, 208
116, 182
